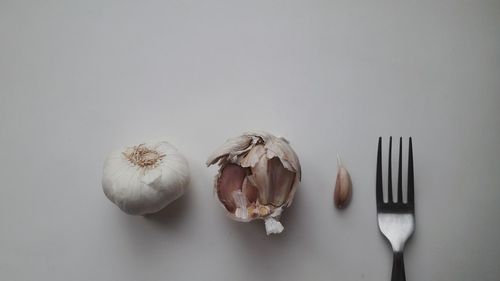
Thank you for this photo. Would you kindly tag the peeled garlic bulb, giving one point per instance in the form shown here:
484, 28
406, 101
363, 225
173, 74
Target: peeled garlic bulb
145, 178
343, 186
258, 177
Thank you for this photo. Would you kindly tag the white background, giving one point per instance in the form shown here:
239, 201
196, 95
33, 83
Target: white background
78, 79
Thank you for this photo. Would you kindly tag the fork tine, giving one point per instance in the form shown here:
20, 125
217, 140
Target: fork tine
379, 194
410, 174
400, 177
389, 173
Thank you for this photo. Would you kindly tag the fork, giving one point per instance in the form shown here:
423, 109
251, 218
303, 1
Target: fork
396, 219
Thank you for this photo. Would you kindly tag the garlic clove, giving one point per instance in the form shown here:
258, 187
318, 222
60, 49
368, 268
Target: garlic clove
258, 177
261, 180
231, 180
282, 180
343, 186
250, 190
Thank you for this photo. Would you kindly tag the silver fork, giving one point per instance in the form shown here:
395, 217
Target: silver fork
396, 219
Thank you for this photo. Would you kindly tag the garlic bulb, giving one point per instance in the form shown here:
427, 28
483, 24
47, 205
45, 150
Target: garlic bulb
258, 177
145, 178
343, 186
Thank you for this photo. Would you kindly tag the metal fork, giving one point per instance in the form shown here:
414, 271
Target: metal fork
396, 219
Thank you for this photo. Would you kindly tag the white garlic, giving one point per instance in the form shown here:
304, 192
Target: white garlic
258, 177
145, 178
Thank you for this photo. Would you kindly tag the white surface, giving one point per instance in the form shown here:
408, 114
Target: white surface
78, 79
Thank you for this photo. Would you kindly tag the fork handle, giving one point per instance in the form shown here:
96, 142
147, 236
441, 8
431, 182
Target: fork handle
398, 267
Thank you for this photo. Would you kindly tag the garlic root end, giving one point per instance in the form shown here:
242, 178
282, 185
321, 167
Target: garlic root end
273, 226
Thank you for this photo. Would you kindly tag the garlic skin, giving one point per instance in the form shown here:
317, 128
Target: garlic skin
343, 186
258, 177
145, 178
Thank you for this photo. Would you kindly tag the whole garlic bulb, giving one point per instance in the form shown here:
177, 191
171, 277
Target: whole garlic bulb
145, 178
258, 177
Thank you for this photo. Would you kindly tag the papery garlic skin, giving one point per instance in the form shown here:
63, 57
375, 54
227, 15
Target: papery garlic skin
258, 177
145, 178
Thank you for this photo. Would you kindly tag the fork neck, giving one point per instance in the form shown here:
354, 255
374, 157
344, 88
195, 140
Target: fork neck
398, 267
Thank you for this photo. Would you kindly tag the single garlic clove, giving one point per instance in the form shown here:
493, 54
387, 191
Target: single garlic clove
261, 179
250, 190
258, 177
230, 180
145, 178
343, 186
281, 179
